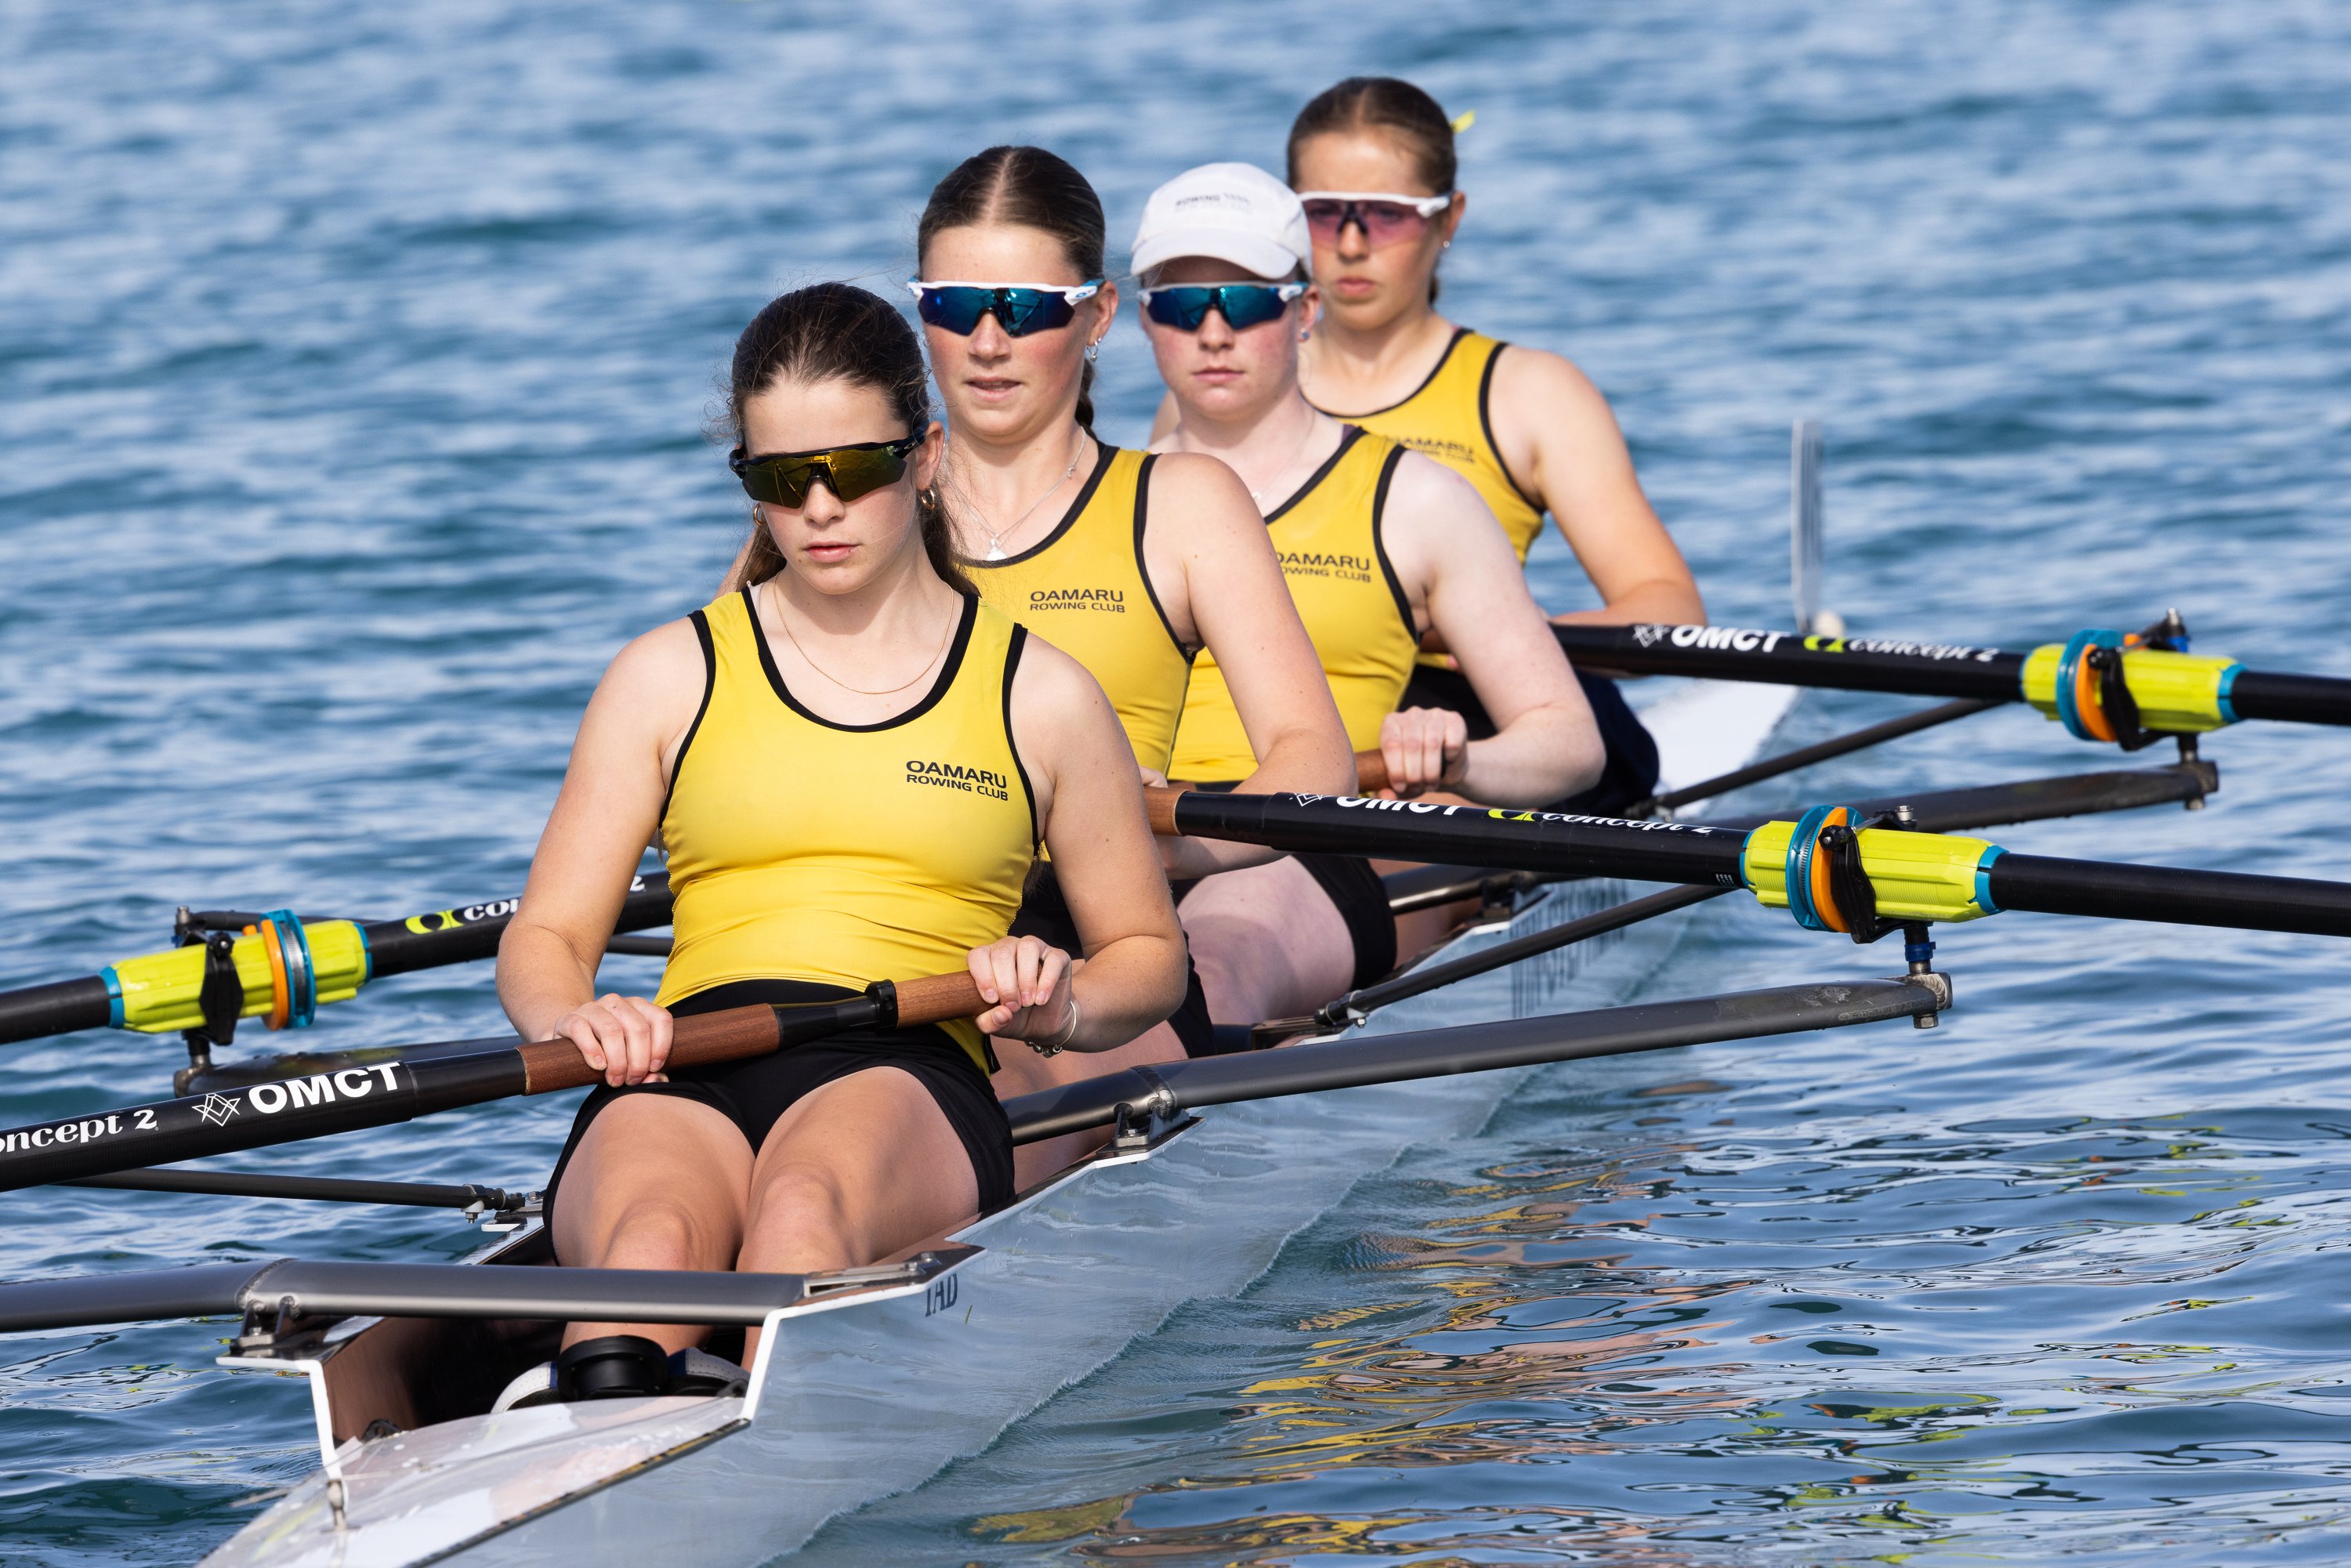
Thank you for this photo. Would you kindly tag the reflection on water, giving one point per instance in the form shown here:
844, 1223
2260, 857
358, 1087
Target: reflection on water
1676, 1338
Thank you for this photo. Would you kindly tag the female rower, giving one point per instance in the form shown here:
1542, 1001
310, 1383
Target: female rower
1128, 562
850, 763
1379, 545
1373, 159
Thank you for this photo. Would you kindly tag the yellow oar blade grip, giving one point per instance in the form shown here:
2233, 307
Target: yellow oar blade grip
1917, 876
2185, 693
160, 992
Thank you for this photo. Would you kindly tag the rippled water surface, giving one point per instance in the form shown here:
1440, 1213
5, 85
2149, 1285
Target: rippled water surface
352, 371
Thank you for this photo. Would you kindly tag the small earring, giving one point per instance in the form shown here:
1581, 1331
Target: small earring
758, 516
1444, 244
1093, 350
1305, 333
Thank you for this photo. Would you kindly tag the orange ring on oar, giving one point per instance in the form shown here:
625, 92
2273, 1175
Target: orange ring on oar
1823, 899
281, 997
2089, 700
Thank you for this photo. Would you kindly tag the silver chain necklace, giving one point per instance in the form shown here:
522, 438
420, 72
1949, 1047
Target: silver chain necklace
995, 536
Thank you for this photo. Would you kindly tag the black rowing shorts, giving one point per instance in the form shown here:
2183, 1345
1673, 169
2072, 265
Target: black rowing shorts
754, 1094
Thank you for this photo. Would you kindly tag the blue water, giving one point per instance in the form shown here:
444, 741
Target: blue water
353, 366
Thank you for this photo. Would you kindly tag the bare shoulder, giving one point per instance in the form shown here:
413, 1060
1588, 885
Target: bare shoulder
1054, 698
1185, 480
1537, 381
1423, 485
661, 663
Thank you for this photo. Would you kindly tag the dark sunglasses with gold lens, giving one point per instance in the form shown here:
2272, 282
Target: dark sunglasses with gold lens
848, 472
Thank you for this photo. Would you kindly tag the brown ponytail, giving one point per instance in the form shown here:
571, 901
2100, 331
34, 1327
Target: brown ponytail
836, 332
1033, 189
1389, 104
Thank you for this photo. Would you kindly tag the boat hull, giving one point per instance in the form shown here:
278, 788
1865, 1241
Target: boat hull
868, 1395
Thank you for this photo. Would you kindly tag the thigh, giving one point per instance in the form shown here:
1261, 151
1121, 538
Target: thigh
1268, 942
853, 1172
648, 1155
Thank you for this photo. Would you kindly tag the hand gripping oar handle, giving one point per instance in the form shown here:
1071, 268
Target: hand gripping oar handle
260, 1114
1159, 801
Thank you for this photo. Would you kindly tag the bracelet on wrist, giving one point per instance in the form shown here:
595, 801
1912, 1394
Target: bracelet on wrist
1068, 1034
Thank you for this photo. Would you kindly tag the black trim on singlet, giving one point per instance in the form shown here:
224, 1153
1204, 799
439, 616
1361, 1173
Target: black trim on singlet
1426, 381
1018, 640
1105, 453
1142, 567
1486, 428
939, 688
1348, 436
1380, 543
709, 685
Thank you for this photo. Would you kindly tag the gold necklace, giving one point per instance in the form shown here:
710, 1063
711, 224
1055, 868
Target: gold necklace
886, 691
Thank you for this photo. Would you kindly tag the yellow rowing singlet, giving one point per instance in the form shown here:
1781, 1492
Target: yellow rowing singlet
804, 849
1328, 536
1447, 417
1085, 589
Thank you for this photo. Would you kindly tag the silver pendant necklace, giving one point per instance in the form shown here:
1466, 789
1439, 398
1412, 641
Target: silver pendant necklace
1312, 425
996, 550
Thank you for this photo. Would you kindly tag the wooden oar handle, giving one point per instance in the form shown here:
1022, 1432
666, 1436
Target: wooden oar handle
935, 999
1159, 800
698, 1041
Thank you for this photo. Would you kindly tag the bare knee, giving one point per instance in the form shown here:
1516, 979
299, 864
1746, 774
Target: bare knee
662, 1232
801, 1220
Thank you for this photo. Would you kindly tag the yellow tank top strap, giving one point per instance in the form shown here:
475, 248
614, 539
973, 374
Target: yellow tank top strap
1356, 610
1086, 589
1449, 416
805, 850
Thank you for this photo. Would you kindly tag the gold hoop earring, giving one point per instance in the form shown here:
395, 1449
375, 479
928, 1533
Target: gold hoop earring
758, 516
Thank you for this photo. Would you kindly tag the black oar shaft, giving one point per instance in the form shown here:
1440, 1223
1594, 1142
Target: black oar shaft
1885, 665
1845, 663
2167, 894
309, 1189
1512, 840
1699, 854
60, 1007
2303, 699
381, 1093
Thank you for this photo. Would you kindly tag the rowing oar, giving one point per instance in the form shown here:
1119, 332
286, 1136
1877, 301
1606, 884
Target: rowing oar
2101, 686
1833, 870
283, 969
377, 1096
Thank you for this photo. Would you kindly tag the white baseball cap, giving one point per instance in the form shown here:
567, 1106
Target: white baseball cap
1234, 212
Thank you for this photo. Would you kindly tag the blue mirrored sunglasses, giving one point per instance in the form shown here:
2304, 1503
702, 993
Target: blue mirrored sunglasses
1020, 309
1242, 305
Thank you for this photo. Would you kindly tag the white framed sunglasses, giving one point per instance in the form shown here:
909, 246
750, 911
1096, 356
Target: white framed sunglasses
1384, 216
1020, 309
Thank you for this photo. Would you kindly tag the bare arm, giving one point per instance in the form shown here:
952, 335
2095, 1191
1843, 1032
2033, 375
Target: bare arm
1207, 541
1558, 436
608, 811
1132, 973
1464, 579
